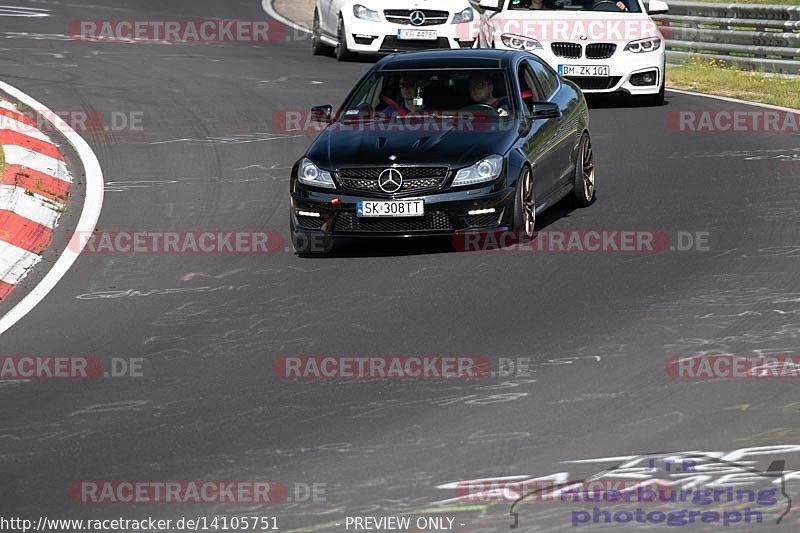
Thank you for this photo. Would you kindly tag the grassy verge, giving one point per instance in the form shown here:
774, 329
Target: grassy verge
768, 2
716, 77
2, 161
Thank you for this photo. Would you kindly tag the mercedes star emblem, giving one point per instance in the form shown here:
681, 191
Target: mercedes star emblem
417, 18
390, 180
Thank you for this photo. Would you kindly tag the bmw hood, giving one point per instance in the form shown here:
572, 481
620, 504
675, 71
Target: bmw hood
576, 26
418, 143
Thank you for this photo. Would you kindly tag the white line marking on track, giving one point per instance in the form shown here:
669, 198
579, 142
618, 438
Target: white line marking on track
86, 223
22, 11
736, 100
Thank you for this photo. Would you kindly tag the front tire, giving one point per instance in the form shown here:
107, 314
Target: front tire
583, 190
310, 244
341, 51
653, 100
524, 206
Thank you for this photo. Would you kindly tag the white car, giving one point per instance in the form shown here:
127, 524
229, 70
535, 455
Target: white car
386, 26
603, 46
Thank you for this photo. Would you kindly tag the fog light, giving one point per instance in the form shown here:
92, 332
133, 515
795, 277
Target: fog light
307, 214
644, 78
481, 211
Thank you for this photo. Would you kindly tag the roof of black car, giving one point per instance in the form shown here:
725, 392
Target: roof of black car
435, 59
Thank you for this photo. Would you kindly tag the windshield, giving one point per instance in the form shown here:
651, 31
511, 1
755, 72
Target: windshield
422, 93
608, 6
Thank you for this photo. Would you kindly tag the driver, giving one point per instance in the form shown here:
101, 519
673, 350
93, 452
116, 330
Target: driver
480, 91
409, 87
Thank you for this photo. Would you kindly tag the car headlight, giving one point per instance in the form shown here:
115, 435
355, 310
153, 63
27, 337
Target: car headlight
486, 169
363, 12
465, 16
651, 44
311, 174
518, 42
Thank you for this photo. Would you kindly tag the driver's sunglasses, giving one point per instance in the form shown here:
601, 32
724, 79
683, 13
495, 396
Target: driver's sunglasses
407, 85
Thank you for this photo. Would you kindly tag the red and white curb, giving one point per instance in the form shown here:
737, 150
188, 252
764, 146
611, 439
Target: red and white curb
33, 193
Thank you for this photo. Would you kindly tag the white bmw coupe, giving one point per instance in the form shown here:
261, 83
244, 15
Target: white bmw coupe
603, 46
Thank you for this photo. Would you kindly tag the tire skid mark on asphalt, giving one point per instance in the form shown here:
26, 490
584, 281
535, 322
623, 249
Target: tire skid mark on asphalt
23, 11
244, 138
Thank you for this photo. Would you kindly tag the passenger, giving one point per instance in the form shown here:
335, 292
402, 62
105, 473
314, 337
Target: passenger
481, 88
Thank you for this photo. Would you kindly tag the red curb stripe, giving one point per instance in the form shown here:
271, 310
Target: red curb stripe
31, 143
23, 233
38, 182
5, 289
19, 117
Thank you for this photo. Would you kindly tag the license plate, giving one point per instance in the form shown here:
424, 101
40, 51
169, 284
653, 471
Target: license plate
390, 208
584, 70
417, 35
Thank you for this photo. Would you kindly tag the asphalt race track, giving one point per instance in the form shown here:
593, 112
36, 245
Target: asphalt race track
597, 327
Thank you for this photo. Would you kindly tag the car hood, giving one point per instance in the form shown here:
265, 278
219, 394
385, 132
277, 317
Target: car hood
559, 25
343, 145
444, 5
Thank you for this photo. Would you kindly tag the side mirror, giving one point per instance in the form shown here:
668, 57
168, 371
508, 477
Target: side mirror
657, 7
322, 114
491, 5
546, 110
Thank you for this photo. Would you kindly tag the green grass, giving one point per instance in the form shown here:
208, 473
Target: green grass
716, 77
2, 161
773, 2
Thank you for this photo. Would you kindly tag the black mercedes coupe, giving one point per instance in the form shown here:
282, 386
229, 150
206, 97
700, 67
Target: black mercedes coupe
443, 142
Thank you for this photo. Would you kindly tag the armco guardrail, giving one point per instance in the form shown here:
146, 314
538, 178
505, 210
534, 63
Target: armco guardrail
758, 37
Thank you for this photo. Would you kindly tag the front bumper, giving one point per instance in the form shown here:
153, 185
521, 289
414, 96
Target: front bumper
446, 213
381, 37
623, 68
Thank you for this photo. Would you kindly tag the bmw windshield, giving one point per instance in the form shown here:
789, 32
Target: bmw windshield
606, 6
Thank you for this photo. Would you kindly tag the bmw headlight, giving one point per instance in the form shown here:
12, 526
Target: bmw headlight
518, 42
311, 174
465, 16
651, 44
363, 12
486, 169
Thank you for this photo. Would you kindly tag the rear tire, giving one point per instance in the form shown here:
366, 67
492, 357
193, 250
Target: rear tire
318, 48
341, 51
583, 190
